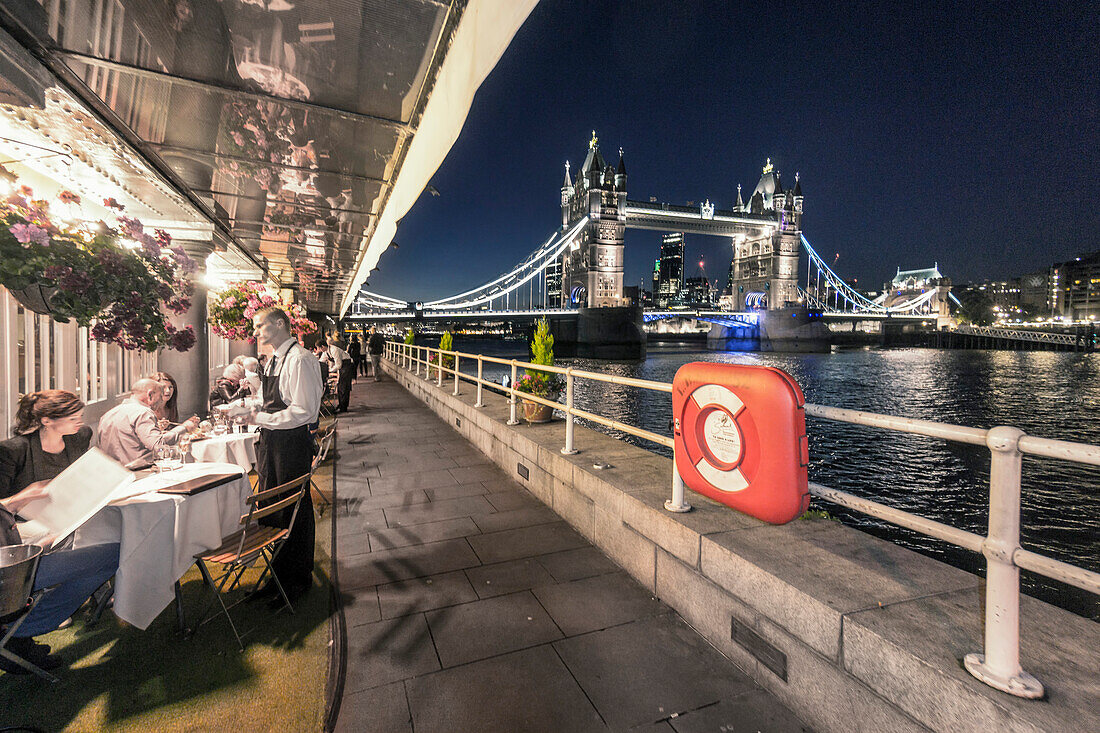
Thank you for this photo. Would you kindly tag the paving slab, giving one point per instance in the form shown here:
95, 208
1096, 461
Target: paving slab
752, 712
389, 650
383, 709
508, 577
525, 542
646, 671
490, 627
420, 534
583, 562
424, 594
502, 520
597, 603
529, 690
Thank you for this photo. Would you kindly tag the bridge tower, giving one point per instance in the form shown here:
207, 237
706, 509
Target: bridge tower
765, 261
592, 271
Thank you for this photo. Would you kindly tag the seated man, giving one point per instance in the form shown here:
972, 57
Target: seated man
229, 386
128, 431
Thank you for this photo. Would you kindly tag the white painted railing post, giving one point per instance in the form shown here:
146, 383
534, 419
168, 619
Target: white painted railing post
439, 368
417, 349
999, 666
569, 450
677, 503
456, 374
480, 364
512, 398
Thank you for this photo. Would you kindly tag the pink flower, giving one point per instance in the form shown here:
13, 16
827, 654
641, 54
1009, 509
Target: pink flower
28, 233
267, 300
229, 302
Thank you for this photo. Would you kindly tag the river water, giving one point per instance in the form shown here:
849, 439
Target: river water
1047, 394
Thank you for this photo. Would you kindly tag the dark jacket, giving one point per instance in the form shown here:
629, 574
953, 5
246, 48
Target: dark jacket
377, 343
355, 350
22, 460
226, 390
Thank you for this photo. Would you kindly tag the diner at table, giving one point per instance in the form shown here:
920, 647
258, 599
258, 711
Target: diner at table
129, 431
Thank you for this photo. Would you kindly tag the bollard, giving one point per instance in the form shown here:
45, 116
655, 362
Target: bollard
512, 398
569, 450
456, 374
999, 666
479, 403
677, 503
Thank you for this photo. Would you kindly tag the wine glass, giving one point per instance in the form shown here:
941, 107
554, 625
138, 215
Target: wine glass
240, 421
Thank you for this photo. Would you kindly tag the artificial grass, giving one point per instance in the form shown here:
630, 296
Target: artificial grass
119, 678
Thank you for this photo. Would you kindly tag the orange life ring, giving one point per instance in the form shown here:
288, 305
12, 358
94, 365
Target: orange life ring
740, 438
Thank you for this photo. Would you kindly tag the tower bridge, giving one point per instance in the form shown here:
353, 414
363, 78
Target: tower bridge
578, 272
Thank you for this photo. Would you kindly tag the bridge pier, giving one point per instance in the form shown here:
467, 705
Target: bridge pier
601, 333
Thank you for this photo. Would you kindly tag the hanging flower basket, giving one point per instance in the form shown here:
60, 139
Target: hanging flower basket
121, 283
36, 298
231, 311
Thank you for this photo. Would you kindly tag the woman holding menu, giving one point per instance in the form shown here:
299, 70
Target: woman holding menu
49, 435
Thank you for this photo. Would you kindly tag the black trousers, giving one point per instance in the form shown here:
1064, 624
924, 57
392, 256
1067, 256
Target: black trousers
343, 384
283, 455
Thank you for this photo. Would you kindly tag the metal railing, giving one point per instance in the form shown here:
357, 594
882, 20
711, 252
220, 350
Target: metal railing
999, 666
1041, 337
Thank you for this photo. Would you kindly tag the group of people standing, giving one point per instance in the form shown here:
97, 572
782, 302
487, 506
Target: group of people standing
346, 363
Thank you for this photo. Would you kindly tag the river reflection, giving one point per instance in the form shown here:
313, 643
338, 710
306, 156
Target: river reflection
1043, 393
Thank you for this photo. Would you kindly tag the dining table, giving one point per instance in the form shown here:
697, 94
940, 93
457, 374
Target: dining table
160, 533
237, 448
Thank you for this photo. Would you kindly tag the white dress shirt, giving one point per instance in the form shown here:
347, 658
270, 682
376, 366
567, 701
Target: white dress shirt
338, 356
299, 385
129, 431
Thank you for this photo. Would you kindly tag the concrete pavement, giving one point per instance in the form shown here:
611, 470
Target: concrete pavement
471, 606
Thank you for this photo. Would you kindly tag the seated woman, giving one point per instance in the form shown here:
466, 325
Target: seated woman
229, 386
49, 435
167, 409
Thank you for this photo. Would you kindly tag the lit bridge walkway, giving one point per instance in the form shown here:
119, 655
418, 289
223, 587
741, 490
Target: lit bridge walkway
471, 606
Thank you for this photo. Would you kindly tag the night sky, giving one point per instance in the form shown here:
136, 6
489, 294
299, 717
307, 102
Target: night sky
946, 133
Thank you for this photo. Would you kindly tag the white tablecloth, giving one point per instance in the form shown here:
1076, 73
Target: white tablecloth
159, 535
238, 448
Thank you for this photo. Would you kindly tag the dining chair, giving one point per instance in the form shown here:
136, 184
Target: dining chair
252, 544
325, 441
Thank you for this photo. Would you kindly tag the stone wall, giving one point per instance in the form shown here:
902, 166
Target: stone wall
852, 632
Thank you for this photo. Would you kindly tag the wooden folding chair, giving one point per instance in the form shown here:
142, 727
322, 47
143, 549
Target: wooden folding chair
253, 543
325, 441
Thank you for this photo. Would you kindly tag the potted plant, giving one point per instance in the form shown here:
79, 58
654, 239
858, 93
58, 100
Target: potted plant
539, 383
231, 311
121, 283
446, 343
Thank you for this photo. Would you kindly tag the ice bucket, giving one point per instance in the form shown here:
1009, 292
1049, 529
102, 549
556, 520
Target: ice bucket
18, 564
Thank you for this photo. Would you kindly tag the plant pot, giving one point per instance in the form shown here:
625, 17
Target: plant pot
534, 412
36, 298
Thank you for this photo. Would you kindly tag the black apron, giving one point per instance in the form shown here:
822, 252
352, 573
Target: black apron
283, 455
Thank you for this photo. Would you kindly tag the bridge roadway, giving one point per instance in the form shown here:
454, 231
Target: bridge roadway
471, 606
525, 314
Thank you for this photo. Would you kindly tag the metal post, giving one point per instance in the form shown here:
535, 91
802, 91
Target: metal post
479, 403
456, 374
569, 450
512, 398
677, 503
439, 369
999, 666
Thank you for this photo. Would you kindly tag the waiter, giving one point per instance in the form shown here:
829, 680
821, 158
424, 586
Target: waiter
290, 396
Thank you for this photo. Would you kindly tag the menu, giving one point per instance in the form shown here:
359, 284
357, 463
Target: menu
72, 498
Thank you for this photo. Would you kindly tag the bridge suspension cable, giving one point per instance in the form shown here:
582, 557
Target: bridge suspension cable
501, 287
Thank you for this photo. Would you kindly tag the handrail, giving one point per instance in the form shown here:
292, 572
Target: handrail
999, 666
